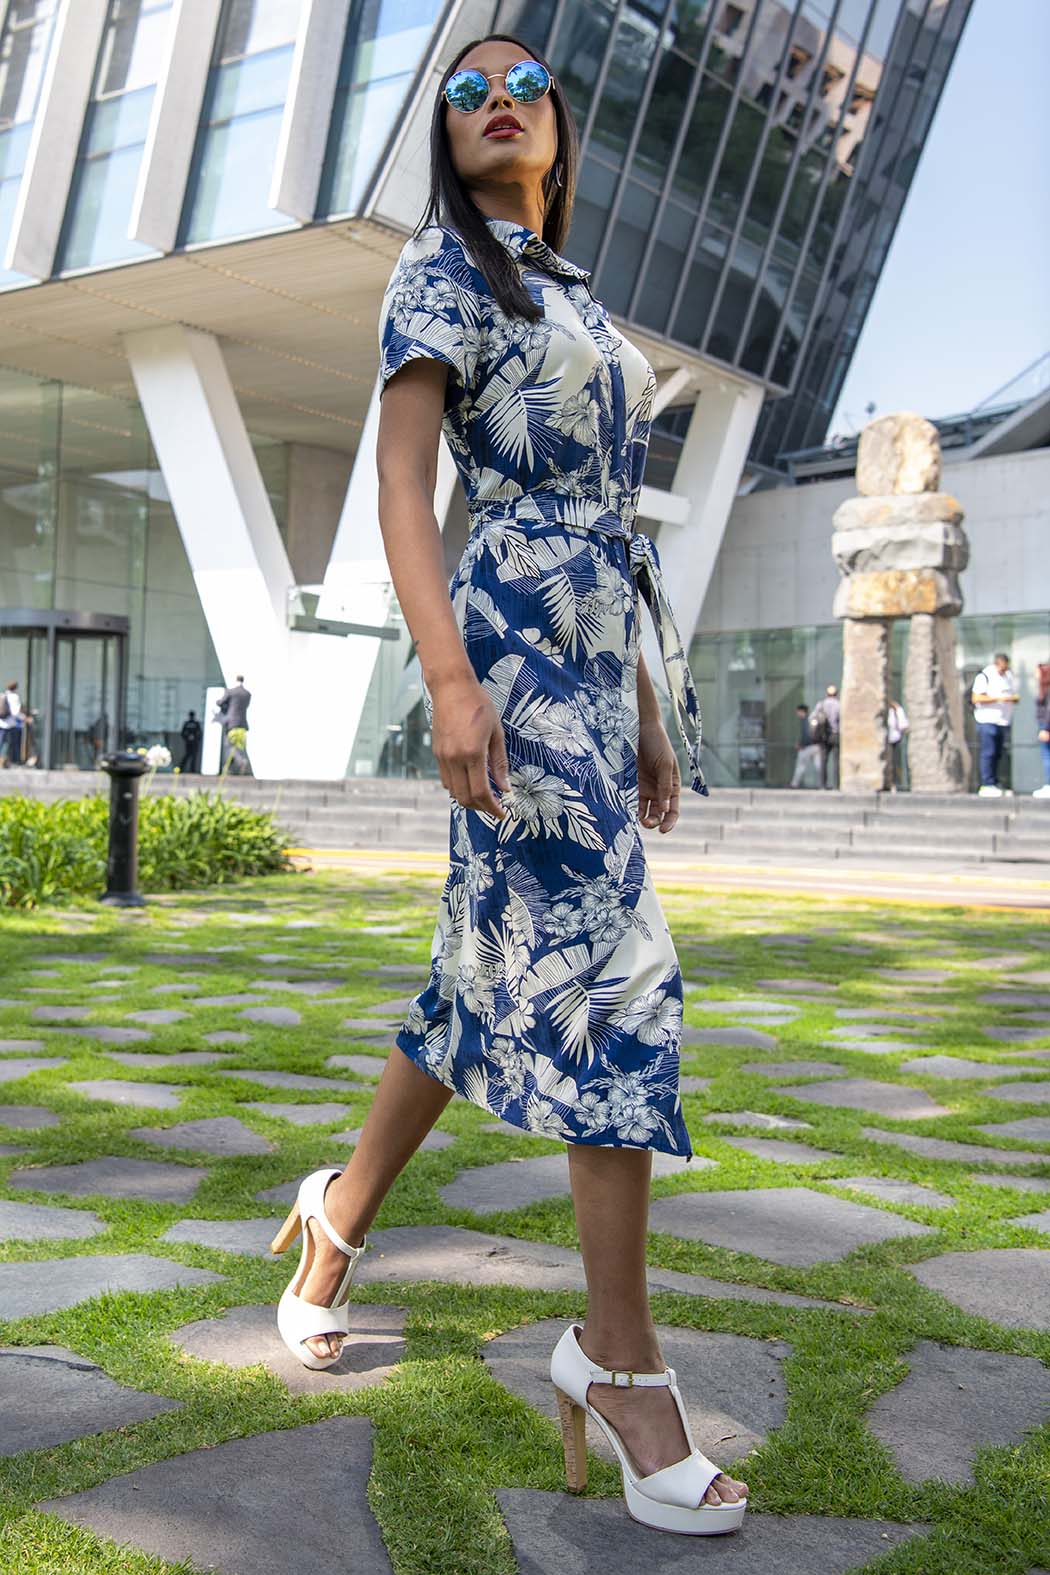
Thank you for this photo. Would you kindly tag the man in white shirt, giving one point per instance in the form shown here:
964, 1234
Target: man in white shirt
10, 726
994, 697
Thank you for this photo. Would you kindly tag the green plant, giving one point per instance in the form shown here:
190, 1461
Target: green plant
49, 852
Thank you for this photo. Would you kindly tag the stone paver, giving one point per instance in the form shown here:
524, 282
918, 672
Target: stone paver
114, 1178
406, 1254
790, 1068
111, 1090
9, 1046
876, 1046
892, 1191
273, 1016
1016, 998
7, 1150
733, 1386
953, 1066
875, 1030
757, 1118
862, 1093
558, 1534
1007, 1285
29, 1289
1036, 1129
219, 1135
243, 998
1040, 1220
798, 986
948, 1148
1026, 1093
1015, 1036
27, 1117
300, 986
372, 1025
745, 1008
514, 1184
953, 1401
903, 1017
303, 1115
44, 1222
780, 1150
791, 1225
227, 1036
227, 1508
252, 1237
914, 975
732, 1038
688, 1084
244, 1336
433, 1142
363, 1065
25, 1066
392, 1006
108, 1035
61, 1014
158, 1016
49, 1395
148, 1058
1019, 1183
293, 1080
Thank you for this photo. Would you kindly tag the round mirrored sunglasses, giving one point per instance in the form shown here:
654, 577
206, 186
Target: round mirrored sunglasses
526, 82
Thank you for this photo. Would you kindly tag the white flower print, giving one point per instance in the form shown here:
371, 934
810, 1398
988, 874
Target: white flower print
562, 729
477, 877
631, 1112
535, 797
579, 417
416, 1018
475, 991
562, 920
655, 1017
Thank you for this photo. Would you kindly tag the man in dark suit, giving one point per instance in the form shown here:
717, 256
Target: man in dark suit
233, 708
191, 734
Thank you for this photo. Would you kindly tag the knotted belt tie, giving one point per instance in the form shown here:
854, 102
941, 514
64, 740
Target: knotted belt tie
648, 576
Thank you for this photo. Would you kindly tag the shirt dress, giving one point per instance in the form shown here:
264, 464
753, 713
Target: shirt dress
555, 993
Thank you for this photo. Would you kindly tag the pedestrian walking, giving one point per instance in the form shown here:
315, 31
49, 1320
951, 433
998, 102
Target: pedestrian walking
11, 726
191, 734
555, 995
1042, 723
994, 697
807, 752
824, 723
896, 731
233, 706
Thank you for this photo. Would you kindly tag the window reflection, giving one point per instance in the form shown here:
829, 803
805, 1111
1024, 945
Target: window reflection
24, 47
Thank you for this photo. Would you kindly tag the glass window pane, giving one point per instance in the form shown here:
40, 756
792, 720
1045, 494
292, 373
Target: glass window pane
687, 23
578, 51
24, 46
636, 39
736, 162
665, 266
701, 140
663, 117
594, 194
694, 311
620, 269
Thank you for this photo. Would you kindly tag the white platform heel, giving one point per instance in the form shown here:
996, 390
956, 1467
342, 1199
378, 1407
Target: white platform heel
298, 1319
671, 1499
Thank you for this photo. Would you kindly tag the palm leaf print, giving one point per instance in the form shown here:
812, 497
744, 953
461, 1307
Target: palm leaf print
556, 970
577, 1014
516, 414
480, 603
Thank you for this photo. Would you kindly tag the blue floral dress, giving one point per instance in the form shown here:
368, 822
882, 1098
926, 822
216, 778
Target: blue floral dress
555, 994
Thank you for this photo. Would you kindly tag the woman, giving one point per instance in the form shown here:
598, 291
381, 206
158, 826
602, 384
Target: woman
1042, 724
555, 994
896, 727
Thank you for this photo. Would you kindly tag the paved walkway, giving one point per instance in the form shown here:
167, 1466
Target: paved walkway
852, 1275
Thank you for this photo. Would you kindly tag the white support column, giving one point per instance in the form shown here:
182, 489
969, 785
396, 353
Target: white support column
55, 138
308, 107
708, 473
174, 119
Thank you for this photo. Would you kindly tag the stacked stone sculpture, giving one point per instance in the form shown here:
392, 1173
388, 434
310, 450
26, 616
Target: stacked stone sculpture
900, 547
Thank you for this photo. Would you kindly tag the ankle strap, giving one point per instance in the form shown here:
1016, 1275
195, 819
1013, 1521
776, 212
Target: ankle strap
628, 1380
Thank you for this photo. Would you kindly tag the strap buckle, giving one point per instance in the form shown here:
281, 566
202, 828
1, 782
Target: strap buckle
615, 1376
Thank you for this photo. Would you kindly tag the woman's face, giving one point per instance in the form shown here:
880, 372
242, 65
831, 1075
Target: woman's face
518, 160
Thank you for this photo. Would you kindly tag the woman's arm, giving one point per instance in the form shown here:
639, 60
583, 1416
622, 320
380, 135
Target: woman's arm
659, 779
467, 732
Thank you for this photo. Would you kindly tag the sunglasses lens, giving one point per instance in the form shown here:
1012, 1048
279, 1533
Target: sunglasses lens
466, 90
528, 81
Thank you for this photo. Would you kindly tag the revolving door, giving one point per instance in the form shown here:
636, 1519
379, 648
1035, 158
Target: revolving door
71, 670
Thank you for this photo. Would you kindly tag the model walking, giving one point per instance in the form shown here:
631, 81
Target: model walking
555, 995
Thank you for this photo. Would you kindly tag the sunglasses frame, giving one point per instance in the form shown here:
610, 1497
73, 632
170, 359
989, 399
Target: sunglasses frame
490, 76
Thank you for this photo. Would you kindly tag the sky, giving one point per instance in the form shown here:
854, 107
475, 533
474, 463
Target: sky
963, 303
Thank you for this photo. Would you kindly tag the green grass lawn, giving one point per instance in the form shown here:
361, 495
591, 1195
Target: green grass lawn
446, 1433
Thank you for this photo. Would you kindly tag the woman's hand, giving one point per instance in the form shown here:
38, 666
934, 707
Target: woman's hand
468, 744
659, 779
1044, 736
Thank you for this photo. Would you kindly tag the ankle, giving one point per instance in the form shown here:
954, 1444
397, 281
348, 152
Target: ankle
633, 1351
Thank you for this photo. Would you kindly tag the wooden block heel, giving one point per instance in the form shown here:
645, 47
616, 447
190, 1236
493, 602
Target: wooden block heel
574, 1441
288, 1231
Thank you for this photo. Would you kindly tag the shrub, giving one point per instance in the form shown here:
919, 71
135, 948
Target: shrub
57, 850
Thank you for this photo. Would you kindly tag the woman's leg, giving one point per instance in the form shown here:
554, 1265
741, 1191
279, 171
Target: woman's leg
406, 1105
610, 1193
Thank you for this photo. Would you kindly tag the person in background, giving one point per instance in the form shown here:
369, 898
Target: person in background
807, 751
824, 723
994, 696
233, 710
11, 726
896, 727
1042, 722
191, 733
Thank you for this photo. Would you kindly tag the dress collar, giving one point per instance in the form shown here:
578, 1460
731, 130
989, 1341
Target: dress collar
520, 241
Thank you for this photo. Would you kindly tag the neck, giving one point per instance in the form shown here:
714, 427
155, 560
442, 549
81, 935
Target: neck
514, 204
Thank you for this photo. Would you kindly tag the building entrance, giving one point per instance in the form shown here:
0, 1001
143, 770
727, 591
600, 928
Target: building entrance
71, 670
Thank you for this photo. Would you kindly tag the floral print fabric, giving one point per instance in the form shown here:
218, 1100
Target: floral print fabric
555, 995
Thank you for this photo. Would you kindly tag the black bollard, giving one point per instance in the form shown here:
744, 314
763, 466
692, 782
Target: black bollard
122, 863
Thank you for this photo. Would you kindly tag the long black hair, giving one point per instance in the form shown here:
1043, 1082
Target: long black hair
450, 204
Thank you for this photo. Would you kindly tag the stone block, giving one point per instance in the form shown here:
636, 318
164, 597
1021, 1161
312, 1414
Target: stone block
303, 1115
29, 1289
227, 1508
112, 1091
938, 757
363, 1065
732, 1038
892, 1191
1006, 1285
1019, 1183
245, 1336
252, 1237
897, 593
219, 1135
780, 1150
1034, 1129
1027, 1093
757, 1118
27, 1117
949, 1148
49, 1396
794, 1068
24, 1066
269, 1079
488, 1189
790, 1225
898, 454
113, 1178
273, 1016
862, 1093
864, 753
43, 1222
951, 1066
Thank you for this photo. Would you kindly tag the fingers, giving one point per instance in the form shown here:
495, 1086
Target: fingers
481, 795
498, 763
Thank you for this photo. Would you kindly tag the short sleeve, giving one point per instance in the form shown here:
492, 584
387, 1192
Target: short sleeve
431, 310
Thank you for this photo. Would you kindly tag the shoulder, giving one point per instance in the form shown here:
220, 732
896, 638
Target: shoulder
436, 254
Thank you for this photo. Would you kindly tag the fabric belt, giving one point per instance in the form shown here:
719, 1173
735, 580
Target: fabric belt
647, 575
